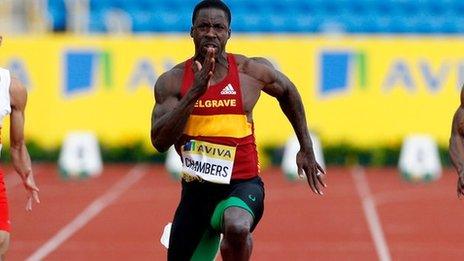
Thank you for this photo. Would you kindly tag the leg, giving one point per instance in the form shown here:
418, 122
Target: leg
4, 220
191, 235
4, 243
237, 242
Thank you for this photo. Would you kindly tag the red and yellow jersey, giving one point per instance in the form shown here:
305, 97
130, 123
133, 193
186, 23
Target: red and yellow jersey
219, 117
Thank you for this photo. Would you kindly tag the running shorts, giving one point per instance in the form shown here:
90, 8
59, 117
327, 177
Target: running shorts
197, 224
4, 213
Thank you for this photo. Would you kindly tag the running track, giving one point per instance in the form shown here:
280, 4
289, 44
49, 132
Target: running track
369, 214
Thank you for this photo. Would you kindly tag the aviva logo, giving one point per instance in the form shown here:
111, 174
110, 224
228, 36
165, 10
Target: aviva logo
340, 70
84, 69
189, 146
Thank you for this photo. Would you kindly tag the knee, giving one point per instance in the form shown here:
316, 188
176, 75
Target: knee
237, 230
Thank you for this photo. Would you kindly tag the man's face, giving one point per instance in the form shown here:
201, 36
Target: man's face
210, 30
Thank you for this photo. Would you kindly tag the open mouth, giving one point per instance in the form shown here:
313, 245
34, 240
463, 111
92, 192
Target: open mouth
210, 46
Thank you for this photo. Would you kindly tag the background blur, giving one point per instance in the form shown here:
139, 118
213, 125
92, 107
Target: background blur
370, 72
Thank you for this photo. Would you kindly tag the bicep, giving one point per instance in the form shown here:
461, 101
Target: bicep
273, 82
18, 96
166, 98
279, 86
162, 108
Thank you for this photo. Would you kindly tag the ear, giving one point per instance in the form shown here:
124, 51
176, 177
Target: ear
229, 33
191, 31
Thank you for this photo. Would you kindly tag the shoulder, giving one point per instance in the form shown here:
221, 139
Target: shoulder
169, 83
176, 73
18, 93
240, 59
258, 68
246, 64
172, 77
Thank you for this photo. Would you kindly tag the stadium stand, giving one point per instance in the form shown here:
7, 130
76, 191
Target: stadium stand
286, 16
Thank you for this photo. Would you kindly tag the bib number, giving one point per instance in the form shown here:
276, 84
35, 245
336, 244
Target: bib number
208, 161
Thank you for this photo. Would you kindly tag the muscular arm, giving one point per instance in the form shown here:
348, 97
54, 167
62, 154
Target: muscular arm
456, 144
170, 113
279, 86
19, 154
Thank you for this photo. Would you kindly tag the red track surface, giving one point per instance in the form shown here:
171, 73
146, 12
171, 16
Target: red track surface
419, 221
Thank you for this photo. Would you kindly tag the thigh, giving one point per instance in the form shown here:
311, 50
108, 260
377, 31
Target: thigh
191, 233
245, 196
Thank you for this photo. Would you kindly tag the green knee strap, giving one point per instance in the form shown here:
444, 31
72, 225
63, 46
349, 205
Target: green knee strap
217, 218
208, 246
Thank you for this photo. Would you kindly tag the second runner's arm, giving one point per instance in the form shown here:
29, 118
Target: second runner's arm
456, 145
19, 154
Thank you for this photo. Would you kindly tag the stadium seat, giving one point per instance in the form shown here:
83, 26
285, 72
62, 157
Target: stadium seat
57, 14
97, 22
306, 16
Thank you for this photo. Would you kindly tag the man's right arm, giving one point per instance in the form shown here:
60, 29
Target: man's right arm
170, 113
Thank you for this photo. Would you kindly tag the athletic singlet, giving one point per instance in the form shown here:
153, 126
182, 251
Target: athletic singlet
219, 118
5, 107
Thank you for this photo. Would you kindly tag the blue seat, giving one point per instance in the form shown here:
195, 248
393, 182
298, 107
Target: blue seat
97, 22
100, 5
142, 20
57, 11
248, 22
276, 23
307, 16
166, 21
305, 23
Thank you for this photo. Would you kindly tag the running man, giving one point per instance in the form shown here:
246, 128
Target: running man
456, 146
13, 98
204, 107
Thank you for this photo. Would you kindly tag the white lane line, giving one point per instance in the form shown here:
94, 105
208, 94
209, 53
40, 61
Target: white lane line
370, 212
132, 177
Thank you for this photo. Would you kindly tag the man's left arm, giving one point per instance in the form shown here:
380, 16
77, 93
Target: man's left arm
279, 86
19, 154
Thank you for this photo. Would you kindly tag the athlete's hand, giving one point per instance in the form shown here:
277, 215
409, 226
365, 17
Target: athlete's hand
204, 73
307, 164
460, 185
32, 191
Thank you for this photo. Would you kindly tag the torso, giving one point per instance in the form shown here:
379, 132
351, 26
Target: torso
251, 88
231, 92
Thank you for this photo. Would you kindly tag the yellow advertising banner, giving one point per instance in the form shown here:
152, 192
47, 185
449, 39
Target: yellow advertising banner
364, 91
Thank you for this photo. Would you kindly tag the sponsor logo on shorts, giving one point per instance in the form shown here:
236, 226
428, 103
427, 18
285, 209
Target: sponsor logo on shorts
252, 198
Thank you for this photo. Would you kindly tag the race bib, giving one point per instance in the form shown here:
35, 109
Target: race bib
208, 161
